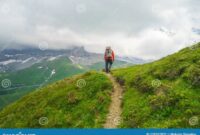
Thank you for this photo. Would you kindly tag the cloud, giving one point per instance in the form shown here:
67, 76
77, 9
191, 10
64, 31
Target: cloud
147, 29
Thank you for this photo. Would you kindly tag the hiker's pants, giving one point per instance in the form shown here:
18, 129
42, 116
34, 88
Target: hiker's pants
108, 64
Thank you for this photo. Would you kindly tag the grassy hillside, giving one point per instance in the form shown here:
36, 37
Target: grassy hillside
162, 94
40, 74
80, 101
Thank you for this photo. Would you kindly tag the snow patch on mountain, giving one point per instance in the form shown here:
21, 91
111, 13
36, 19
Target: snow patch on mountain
87, 60
14, 60
71, 58
40, 67
29, 59
9, 62
54, 58
53, 72
8, 55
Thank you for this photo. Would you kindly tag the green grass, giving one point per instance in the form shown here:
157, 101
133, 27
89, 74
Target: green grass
27, 80
162, 94
33, 76
64, 104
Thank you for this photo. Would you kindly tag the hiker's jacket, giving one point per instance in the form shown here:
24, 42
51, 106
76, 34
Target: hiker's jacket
109, 57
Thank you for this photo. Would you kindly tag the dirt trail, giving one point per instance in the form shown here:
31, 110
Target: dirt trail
113, 117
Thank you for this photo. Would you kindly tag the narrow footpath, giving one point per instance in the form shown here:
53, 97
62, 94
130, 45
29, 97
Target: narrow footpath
113, 117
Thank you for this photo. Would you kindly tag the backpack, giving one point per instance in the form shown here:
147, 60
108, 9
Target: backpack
108, 53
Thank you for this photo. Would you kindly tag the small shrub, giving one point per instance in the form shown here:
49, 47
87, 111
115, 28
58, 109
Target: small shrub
72, 97
171, 99
193, 75
120, 80
162, 90
143, 85
173, 73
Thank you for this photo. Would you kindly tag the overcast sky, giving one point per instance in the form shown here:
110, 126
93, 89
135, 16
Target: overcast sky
148, 29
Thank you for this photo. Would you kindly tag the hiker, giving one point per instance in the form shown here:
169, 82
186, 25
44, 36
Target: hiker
109, 58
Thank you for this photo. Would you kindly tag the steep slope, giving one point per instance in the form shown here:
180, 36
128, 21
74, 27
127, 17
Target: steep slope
162, 94
40, 74
80, 101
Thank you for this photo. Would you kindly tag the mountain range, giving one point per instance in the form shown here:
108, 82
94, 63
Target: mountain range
27, 69
14, 60
161, 94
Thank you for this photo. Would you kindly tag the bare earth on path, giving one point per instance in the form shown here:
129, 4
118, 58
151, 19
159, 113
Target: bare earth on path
113, 117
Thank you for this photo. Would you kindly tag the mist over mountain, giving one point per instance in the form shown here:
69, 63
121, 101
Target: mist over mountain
17, 59
30, 68
164, 27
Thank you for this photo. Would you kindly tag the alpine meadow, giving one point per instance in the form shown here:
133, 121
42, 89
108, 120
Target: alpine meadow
161, 94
